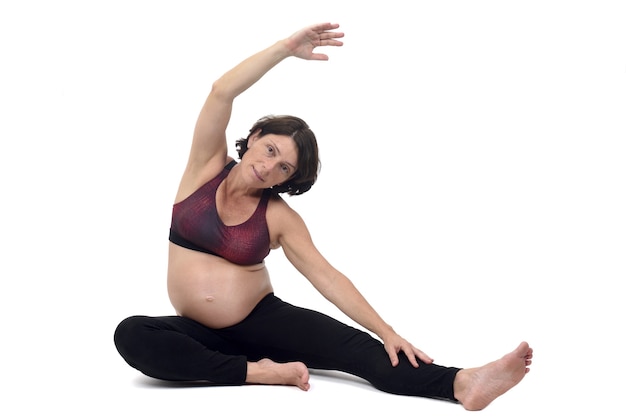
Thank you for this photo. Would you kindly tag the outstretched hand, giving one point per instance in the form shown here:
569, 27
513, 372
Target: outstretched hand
303, 42
395, 344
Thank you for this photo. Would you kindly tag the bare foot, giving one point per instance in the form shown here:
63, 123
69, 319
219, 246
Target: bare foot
269, 372
476, 388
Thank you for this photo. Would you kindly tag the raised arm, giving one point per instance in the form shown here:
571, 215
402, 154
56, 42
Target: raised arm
209, 139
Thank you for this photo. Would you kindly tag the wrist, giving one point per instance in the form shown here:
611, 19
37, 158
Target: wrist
289, 46
386, 331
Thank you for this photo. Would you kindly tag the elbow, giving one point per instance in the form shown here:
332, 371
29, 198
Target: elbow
223, 90
219, 90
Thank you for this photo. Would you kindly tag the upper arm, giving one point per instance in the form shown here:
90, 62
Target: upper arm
209, 136
295, 239
209, 150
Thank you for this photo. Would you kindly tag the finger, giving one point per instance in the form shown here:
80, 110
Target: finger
329, 42
393, 356
330, 35
423, 357
410, 354
326, 36
320, 27
319, 57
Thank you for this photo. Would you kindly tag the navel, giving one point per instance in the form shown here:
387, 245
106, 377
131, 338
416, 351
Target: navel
210, 298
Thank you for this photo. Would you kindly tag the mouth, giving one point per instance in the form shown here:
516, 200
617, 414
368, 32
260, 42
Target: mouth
256, 173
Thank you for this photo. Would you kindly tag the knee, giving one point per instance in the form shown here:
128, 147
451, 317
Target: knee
127, 335
400, 379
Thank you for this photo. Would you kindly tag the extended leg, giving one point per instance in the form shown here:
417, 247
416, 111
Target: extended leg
285, 333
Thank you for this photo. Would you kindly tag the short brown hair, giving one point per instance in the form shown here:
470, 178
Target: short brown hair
308, 155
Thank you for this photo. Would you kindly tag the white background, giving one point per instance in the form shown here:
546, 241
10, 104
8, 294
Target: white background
473, 187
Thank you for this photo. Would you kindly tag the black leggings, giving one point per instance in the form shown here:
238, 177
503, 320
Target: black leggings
180, 349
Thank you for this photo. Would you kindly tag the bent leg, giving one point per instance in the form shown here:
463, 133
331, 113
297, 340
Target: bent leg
179, 349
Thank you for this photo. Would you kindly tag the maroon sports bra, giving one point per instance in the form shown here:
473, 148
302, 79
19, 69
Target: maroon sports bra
196, 225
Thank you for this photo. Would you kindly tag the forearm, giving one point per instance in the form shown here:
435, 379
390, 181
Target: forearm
250, 70
343, 294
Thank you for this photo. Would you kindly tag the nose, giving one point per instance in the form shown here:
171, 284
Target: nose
270, 164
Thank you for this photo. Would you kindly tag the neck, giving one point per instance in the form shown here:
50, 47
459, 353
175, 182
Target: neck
235, 187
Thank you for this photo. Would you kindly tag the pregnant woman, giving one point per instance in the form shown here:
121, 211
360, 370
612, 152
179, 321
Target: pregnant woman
230, 327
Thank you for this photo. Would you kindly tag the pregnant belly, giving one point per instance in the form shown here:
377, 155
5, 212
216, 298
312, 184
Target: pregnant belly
213, 291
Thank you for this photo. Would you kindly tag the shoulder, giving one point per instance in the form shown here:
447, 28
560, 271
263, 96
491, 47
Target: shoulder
278, 210
282, 220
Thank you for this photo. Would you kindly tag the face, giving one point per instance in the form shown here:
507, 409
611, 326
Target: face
271, 159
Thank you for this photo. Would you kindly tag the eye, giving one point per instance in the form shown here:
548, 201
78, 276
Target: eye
285, 169
270, 149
